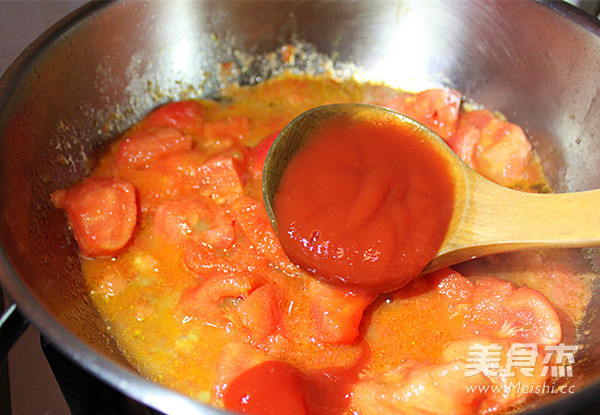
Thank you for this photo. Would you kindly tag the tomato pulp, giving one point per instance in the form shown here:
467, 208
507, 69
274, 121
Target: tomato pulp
364, 203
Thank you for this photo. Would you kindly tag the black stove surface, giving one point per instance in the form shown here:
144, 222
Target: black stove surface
84, 393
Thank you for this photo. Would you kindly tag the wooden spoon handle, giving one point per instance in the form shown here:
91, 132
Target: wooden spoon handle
497, 219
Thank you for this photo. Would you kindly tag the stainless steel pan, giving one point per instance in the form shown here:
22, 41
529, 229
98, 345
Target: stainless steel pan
89, 77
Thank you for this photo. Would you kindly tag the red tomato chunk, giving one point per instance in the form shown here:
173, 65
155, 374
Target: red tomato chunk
222, 178
148, 145
336, 312
102, 214
194, 218
497, 149
438, 109
188, 116
258, 155
227, 132
271, 388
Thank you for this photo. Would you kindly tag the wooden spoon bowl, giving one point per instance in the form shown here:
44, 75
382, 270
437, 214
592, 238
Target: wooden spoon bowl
487, 218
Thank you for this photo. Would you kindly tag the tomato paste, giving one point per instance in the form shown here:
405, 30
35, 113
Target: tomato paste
365, 202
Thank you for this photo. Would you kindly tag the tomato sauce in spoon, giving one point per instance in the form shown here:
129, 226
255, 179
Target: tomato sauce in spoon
365, 203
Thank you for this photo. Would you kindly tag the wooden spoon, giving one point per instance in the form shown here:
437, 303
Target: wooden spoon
487, 218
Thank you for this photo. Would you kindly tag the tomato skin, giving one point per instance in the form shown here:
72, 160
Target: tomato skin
270, 388
257, 155
145, 146
102, 213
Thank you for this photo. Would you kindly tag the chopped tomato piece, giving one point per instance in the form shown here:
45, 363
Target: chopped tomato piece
506, 158
497, 149
445, 306
234, 359
259, 313
102, 213
205, 300
269, 388
186, 163
466, 139
500, 310
257, 155
252, 217
533, 319
437, 109
145, 146
179, 219
490, 288
452, 284
226, 132
201, 259
486, 311
336, 312
416, 388
188, 116
221, 178
516, 364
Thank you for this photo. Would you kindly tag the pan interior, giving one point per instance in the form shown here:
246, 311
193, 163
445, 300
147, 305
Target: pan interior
83, 83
